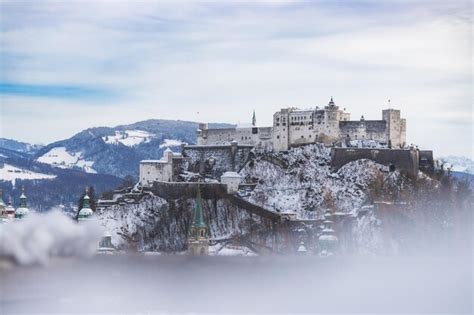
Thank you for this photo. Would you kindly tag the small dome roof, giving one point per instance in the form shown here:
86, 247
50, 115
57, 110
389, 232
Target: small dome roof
22, 211
86, 212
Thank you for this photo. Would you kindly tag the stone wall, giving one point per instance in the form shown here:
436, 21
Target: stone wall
216, 160
364, 129
259, 137
169, 191
426, 162
404, 160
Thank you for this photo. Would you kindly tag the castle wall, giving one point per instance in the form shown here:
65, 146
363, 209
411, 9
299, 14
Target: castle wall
217, 159
363, 129
189, 190
404, 160
151, 171
259, 137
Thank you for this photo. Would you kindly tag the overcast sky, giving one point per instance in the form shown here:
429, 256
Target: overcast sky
69, 65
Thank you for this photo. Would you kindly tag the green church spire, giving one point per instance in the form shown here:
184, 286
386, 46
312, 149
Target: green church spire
198, 222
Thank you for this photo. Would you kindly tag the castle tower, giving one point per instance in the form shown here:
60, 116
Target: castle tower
23, 210
198, 242
86, 212
168, 155
396, 128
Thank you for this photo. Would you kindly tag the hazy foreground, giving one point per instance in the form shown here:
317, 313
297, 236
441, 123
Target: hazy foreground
164, 284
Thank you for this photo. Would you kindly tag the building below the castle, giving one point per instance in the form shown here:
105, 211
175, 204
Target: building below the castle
160, 170
293, 127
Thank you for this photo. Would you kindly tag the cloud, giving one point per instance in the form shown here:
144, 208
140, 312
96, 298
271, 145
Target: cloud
55, 91
171, 60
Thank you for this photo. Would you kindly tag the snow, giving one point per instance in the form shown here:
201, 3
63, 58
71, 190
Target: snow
171, 143
458, 164
60, 157
231, 175
303, 186
129, 138
230, 250
11, 173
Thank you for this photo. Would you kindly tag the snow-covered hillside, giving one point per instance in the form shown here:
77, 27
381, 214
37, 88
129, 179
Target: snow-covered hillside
458, 164
129, 138
171, 143
60, 157
12, 173
308, 184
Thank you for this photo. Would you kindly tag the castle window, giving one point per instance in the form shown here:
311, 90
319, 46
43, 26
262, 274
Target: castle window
278, 137
202, 233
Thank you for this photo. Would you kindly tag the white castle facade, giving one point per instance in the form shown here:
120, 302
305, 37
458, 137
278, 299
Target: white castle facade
293, 127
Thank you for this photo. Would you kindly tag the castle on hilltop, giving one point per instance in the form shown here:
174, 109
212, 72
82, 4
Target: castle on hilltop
293, 127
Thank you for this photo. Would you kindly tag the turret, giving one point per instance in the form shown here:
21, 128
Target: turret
23, 210
168, 155
86, 212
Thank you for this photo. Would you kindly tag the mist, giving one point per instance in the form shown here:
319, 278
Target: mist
434, 278
43, 236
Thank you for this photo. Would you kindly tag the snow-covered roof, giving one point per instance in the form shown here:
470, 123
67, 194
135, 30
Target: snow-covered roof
168, 150
22, 211
244, 125
153, 161
86, 212
231, 174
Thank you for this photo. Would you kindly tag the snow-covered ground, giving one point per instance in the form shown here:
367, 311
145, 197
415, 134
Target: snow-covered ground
308, 185
128, 137
11, 173
60, 157
171, 143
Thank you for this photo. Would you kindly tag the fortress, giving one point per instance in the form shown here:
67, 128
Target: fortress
294, 127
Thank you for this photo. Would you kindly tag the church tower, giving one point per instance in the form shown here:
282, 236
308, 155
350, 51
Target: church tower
86, 212
3, 209
254, 119
198, 242
23, 210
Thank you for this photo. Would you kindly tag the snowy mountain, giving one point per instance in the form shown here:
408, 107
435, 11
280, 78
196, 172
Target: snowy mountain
459, 164
117, 151
19, 146
11, 174
47, 186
